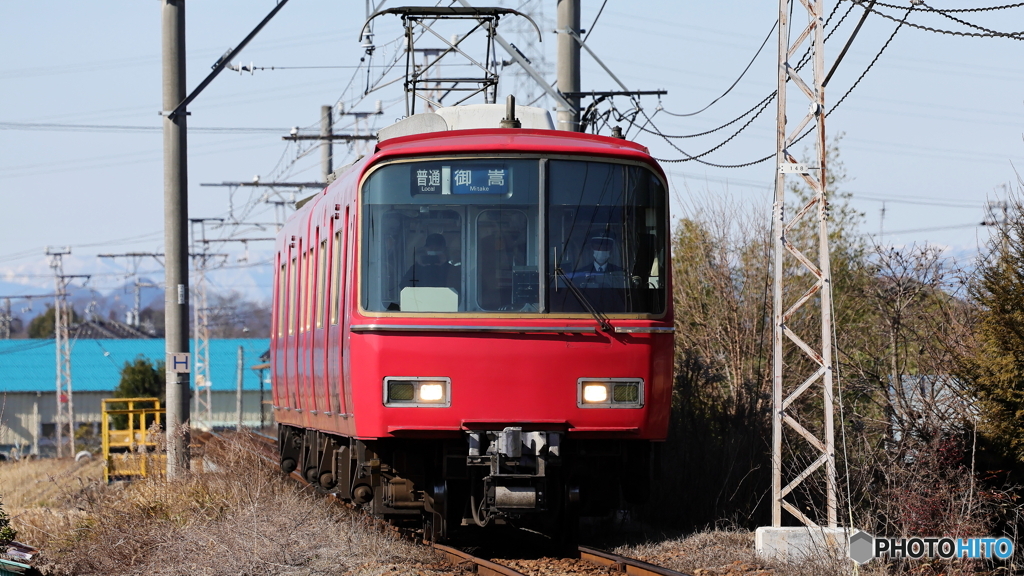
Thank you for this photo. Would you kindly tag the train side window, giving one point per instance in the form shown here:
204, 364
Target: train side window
310, 285
300, 294
293, 296
321, 278
336, 279
281, 295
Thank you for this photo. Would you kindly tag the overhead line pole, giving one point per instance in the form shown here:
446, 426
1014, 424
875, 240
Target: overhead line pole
175, 234
7, 316
815, 177
568, 65
175, 104
326, 144
62, 317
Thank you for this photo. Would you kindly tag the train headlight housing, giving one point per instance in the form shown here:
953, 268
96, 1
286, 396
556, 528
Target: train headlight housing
610, 393
412, 392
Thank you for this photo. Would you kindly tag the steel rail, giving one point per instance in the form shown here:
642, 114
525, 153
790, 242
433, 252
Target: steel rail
623, 564
482, 567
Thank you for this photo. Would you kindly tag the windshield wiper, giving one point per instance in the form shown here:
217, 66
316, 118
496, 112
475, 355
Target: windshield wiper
601, 318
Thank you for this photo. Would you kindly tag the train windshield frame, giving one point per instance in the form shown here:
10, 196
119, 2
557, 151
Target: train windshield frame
513, 235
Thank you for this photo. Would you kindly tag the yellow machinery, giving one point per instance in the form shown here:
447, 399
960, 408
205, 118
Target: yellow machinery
133, 438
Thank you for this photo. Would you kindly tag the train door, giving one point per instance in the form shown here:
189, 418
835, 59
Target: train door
319, 356
280, 321
348, 298
292, 336
306, 338
336, 299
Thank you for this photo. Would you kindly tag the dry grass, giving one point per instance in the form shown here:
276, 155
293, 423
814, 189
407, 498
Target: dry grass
243, 519
730, 552
38, 494
32, 483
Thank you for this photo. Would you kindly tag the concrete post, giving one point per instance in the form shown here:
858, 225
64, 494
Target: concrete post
175, 232
568, 63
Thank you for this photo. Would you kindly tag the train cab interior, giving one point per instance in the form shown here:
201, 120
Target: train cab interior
475, 234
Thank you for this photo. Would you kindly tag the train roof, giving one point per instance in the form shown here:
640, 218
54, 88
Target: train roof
473, 129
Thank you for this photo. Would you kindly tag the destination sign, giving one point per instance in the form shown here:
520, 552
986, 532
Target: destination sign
465, 179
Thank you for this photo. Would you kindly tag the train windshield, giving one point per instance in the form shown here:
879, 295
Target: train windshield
513, 235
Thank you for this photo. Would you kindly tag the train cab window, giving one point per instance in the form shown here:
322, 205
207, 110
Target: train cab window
606, 236
479, 235
449, 236
506, 281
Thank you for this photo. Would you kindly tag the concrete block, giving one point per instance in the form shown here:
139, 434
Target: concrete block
798, 542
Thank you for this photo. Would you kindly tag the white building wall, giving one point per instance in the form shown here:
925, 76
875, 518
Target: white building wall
25, 414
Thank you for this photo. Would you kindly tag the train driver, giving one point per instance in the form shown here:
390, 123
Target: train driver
601, 247
431, 267
601, 272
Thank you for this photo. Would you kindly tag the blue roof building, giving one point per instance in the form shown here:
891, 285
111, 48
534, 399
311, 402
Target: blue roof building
28, 374
31, 365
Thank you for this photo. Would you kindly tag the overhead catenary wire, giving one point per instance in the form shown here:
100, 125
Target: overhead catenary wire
596, 18
993, 34
761, 106
699, 157
948, 16
736, 81
960, 10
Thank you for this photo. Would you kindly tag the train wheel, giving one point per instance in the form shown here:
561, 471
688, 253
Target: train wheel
288, 465
435, 524
569, 520
312, 475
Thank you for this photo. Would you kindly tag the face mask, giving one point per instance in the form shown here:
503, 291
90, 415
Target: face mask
601, 256
433, 253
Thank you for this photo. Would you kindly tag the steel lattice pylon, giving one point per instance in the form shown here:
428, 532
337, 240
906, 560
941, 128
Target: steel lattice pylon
202, 413
65, 417
815, 178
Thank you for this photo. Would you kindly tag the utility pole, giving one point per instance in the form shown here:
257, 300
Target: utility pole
7, 314
36, 425
238, 392
5, 320
175, 105
568, 66
133, 265
175, 234
815, 178
326, 144
65, 418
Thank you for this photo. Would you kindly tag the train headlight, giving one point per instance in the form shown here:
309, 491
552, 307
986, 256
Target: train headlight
593, 393
415, 392
610, 393
431, 392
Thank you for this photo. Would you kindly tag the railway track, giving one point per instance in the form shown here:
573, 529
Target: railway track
590, 561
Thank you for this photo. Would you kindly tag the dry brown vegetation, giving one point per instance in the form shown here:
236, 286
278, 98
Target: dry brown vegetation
729, 553
244, 518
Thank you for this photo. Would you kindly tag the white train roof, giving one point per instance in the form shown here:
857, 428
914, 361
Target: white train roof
466, 118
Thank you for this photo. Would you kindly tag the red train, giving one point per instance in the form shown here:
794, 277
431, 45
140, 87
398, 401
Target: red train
473, 325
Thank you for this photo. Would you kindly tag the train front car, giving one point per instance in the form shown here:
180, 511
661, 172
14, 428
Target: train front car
507, 344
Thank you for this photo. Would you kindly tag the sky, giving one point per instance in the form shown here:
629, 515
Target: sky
931, 133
